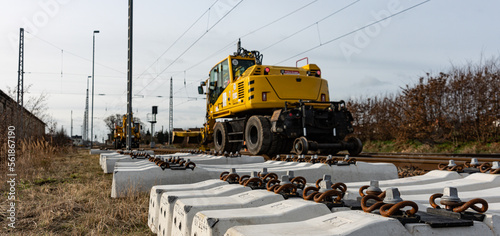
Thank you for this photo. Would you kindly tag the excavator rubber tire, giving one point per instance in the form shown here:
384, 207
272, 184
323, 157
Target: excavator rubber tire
258, 135
221, 141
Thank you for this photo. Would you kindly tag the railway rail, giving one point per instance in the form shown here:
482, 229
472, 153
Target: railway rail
424, 161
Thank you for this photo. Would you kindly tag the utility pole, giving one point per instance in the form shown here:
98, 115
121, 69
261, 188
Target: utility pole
86, 115
171, 114
71, 135
20, 82
129, 76
92, 116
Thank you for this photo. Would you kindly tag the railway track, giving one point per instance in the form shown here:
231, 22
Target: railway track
424, 161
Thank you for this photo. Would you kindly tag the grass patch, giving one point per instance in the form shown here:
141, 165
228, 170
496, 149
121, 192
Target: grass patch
41, 182
70, 195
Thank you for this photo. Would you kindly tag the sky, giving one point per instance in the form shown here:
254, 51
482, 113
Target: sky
359, 53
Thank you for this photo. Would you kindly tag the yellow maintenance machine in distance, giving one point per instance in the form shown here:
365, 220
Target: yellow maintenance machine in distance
120, 134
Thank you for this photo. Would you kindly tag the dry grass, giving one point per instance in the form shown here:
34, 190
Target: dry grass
417, 147
68, 194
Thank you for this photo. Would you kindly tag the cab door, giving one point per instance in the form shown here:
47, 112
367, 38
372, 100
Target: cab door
219, 79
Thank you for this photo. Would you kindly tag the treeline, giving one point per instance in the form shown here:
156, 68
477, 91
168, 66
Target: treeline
460, 105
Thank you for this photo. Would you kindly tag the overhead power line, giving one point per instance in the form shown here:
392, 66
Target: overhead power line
190, 46
252, 32
233, 43
177, 40
281, 18
311, 25
356, 30
74, 54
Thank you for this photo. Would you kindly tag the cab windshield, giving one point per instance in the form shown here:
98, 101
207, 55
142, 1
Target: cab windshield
240, 66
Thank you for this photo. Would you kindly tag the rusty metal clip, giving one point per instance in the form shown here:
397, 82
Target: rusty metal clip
372, 189
255, 181
451, 201
272, 184
330, 160
340, 186
314, 159
327, 196
244, 178
451, 166
390, 209
307, 196
299, 181
267, 177
232, 178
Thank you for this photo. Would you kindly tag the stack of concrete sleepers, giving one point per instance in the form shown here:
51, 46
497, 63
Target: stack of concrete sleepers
214, 211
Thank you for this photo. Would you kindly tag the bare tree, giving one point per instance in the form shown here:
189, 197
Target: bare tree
36, 105
462, 104
111, 120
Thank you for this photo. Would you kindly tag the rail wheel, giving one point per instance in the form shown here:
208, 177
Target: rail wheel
357, 146
300, 146
258, 135
221, 141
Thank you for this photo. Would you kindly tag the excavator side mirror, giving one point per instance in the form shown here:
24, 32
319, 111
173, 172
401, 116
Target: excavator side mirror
200, 89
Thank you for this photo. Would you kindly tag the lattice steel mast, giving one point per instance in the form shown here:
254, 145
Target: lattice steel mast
20, 82
171, 113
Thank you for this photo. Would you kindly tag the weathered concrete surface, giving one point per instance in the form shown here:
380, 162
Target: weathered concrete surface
168, 200
185, 209
157, 191
354, 223
290, 210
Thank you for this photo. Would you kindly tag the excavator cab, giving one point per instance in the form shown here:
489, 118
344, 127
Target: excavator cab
225, 73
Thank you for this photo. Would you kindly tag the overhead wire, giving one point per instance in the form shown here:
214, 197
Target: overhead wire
249, 33
74, 54
281, 18
190, 46
252, 32
309, 26
356, 30
177, 40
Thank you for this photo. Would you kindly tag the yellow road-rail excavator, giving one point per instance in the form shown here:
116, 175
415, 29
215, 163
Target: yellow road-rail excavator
273, 109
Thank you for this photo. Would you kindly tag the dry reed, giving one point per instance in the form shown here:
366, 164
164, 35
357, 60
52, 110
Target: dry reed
62, 191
